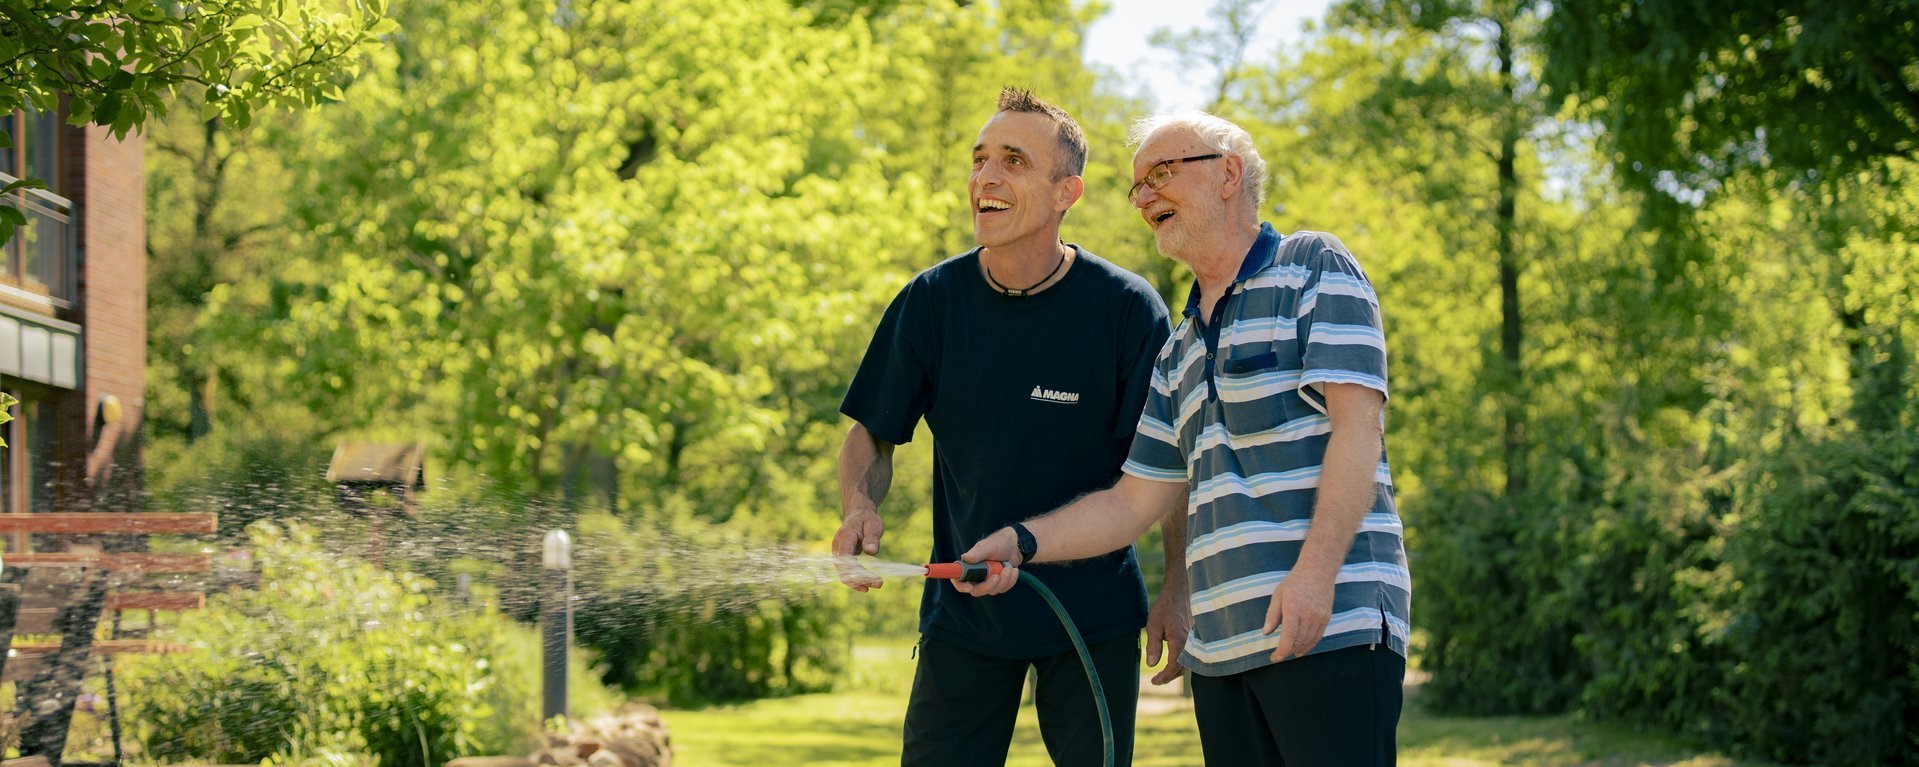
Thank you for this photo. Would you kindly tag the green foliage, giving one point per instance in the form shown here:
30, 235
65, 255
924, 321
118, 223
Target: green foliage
698, 615
1820, 618
644, 298
272, 468
119, 62
1669, 353
1498, 655
615, 261
1705, 90
6, 411
600, 285
215, 216
331, 660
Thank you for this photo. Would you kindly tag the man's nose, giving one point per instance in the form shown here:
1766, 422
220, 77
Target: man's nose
988, 173
1146, 195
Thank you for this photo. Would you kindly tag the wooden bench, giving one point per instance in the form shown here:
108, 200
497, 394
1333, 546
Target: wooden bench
109, 523
118, 563
49, 616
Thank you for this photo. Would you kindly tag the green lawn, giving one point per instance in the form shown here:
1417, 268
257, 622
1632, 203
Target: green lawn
861, 727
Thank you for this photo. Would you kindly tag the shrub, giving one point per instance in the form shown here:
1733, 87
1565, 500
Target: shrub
1772, 609
1824, 627
699, 615
332, 660
1486, 593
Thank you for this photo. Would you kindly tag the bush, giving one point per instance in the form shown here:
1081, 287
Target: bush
701, 615
1824, 627
1772, 609
332, 660
672, 605
1512, 652
266, 467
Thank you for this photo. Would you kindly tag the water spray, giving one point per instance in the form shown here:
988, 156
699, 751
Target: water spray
976, 572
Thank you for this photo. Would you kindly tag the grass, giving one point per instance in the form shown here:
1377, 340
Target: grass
860, 727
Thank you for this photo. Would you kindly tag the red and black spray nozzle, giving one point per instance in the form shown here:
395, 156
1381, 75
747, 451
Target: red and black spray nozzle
964, 572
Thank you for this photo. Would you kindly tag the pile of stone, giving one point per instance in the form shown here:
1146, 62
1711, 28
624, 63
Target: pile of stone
632, 736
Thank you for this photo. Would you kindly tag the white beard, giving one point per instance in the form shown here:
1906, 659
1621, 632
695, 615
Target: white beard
1175, 240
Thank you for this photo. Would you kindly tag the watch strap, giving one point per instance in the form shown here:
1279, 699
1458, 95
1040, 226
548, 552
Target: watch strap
1023, 539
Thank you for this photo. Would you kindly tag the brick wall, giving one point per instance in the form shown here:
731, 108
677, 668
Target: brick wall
113, 307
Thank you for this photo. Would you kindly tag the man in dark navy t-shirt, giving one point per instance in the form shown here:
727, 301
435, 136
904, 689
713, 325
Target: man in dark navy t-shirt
1029, 359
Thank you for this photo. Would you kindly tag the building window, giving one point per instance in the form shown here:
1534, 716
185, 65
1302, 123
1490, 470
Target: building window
38, 262
36, 146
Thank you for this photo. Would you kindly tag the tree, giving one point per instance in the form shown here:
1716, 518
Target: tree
1522, 441
1403, 134
615, 261
217, 211
1669, 346
1220, 48
1695, 94
1691, 92
634, 298
119, 62
1485, 99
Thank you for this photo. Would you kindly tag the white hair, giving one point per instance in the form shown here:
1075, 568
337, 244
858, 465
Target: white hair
1221, 134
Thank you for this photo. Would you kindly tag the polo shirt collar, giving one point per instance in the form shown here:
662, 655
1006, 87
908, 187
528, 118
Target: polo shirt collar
1265, 249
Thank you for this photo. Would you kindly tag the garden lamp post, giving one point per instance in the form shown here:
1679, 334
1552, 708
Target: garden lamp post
556, 620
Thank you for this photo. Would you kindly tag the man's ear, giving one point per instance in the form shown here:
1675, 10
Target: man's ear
1069, 193
1234, 182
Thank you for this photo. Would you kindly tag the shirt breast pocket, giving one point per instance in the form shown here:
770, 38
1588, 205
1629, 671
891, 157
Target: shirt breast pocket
1255, 393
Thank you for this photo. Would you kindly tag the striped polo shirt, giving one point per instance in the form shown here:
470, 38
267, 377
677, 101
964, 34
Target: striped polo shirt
1235, 411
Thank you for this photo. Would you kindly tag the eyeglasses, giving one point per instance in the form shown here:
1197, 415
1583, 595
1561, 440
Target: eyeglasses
1162, 172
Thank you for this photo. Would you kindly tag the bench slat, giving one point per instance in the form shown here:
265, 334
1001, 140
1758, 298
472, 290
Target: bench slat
157, 600
40, 620
110, 523
119, 563
100, 647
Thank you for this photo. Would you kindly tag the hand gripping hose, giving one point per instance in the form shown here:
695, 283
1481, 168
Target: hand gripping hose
974, 572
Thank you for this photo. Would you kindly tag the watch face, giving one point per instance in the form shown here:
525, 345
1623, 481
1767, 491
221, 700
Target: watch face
1027, 545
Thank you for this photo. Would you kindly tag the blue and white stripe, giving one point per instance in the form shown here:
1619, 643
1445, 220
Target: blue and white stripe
1250, 444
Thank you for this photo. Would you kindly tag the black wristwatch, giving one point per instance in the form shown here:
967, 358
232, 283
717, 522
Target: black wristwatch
1023, 540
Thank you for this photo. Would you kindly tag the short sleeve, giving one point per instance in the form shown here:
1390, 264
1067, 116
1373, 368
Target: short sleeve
893, 389
1342, 337
1155, 454
1140, 346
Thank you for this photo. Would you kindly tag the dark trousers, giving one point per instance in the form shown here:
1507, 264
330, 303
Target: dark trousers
964, 705
1334, 709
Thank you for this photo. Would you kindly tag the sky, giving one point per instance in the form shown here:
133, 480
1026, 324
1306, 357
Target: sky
1118, 41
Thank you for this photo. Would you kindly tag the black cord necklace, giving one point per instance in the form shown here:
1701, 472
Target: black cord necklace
1006, 291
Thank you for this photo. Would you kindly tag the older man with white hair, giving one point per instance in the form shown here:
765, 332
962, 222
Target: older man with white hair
1266, 421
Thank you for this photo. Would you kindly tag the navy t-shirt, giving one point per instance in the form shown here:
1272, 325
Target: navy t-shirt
1032, 401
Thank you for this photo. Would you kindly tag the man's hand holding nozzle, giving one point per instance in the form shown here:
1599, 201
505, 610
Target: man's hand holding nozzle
1001, 546
859, 533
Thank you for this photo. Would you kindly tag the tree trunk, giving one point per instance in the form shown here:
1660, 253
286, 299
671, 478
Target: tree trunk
1512, 377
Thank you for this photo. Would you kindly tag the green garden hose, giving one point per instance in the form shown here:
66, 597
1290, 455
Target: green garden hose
975, 572
1085, 659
